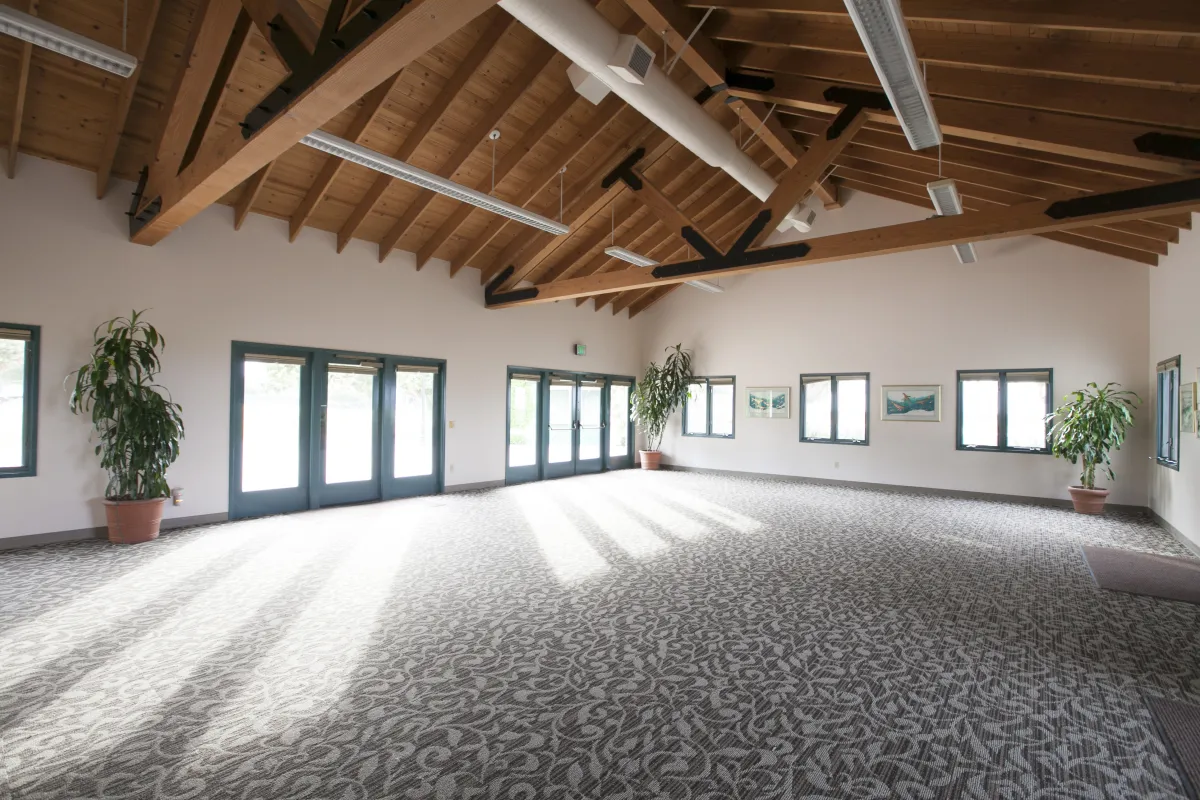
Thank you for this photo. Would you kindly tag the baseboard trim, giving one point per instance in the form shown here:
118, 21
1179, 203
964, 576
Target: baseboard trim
471, 487
87, 534
1188, 544
1052, 502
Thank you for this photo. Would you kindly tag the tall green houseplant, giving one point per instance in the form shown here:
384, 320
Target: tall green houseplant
137, 426
659, 394
1089, 425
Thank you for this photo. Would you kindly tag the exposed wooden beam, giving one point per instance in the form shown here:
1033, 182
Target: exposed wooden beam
18, 117
250, 193
264, 13
1039, 216
1104, 141
429, 118
212, 28
116, 123
1108, 16
530, 139
332, 167
219, 87
538, 57
1135, 65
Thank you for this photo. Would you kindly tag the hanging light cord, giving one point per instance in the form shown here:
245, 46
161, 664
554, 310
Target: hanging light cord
766, 117
561, 172
125, 27
493, 166
688, 40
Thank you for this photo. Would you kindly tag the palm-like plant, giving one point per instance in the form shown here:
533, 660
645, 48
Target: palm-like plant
661, 392
138, 428
1089, 425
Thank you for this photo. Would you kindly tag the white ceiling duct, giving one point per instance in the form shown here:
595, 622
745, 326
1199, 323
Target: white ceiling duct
948, 203
582, 34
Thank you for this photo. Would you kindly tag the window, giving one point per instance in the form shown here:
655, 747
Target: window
708, 410
1004, 410
1167, 439
834, 408
18, 400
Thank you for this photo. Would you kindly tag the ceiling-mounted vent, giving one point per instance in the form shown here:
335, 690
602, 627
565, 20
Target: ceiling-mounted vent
632, 60
587, 85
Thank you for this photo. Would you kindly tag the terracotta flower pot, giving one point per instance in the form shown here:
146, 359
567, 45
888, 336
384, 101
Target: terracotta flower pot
1088, 501
134, 521
650, 458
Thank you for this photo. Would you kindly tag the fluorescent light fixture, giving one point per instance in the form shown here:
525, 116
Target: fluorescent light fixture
637, 259
948, 203
357, 154
706, 286
884, 34
29, 28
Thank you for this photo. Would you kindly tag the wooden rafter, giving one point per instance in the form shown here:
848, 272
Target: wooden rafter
1040, 216
537, 61
224, 163
429, 118
264, 13
250, 193
116, 124
1102, 141
536, 132
332, 167
1107, 16
1130, 64
218, 89
18, 116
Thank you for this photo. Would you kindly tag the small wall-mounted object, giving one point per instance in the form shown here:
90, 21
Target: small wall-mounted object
581, 349
177, 496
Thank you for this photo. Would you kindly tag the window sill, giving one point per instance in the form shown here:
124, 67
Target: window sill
1162, 462
851, 442
23, 472
1020, 451
706, 436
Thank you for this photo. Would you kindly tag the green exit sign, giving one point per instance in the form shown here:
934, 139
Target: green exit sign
581, 349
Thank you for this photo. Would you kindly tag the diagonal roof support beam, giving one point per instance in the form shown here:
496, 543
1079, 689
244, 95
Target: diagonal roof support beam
116, 124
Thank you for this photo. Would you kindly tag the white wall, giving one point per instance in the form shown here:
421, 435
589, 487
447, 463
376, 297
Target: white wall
913, 319
67, 265
1175, 331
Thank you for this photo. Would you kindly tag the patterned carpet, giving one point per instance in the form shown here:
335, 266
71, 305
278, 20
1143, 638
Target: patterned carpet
628, 635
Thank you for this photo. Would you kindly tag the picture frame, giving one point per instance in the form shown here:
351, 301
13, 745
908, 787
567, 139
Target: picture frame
911, 403
1187, 408
769, 402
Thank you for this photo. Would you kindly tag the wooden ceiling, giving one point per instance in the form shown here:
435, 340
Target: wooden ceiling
1037, 99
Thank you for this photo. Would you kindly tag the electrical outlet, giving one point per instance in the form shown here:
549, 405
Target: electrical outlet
837, 464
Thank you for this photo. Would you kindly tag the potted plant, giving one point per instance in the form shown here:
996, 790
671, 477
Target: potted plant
136, 424
657, 396
1089, 425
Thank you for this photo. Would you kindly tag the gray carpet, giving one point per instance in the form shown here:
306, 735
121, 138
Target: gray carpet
628, 635
1168, 577
1179, 725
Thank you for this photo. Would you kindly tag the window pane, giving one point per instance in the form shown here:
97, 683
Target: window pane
589, 421
270, 426
1027, 414
12, 403
818, 409
697, 409
522, 422
350, 427
562, 421
414, 423
618, 420
980, 412
722, 409
852, 409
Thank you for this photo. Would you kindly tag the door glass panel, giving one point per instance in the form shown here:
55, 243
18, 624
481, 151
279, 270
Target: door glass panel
12, 402
589, 419
562, 420
349, 426
413, 454
270, 425
522, 421
618, 419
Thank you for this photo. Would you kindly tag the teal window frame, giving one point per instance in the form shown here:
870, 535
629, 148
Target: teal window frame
1167, 413
28, 468
1002, 413
835, 378
708, 408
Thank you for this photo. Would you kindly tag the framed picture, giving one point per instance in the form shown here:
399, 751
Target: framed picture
1187, 408
918, 403
774, 402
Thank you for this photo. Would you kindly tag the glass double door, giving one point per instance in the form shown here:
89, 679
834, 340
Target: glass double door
313, 428
562, 424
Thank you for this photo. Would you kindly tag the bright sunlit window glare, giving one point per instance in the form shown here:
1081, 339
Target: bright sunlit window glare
562, 420
350, 424
834, 408
618, 419
414, 421
522, 420
708, 410
591, 395
1004, 410
271, 423
16, 399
